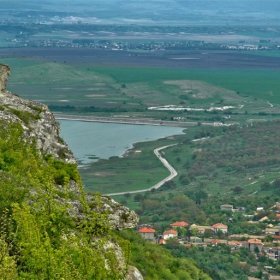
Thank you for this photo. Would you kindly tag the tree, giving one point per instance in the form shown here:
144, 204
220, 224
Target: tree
257, 250
237, 189
194, 232
168, 185
197, 196
172, 242
265, 185
268, 238
219, 233
276, 183
138, 197
155, 218
123, 202
127, 195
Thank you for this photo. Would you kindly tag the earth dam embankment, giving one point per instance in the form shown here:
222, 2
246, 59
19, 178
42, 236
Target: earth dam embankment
123, 120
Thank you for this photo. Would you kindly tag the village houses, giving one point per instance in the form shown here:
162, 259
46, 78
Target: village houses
169, 234
147, 233
179, 224
219, 226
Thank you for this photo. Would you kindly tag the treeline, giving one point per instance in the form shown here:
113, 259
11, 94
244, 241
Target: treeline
218, 260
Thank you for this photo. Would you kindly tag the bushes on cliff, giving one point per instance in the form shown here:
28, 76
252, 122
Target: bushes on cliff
39, 239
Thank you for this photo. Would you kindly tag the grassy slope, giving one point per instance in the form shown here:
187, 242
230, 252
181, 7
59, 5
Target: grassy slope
262, 84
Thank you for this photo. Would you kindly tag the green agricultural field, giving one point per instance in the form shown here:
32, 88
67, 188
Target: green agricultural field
136, 88
62, 84
262, 84
270, 53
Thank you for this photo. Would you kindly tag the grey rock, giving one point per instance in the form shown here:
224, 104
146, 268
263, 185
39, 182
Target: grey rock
134, 274
36, 120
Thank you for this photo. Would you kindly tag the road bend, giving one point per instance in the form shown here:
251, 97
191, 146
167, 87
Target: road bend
173, 173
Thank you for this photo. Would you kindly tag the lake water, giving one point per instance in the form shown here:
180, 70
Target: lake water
90, 141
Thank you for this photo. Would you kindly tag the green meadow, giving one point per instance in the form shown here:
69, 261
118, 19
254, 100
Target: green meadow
263, 84
145, 170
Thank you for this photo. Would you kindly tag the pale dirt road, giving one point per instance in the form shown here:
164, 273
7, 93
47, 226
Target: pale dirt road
173, 173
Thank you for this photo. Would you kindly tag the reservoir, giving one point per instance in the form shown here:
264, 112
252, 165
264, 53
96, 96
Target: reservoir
91, 141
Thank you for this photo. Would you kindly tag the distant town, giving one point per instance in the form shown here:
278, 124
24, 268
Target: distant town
24, 41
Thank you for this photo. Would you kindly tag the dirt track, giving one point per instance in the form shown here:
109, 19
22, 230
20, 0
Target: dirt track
200, 59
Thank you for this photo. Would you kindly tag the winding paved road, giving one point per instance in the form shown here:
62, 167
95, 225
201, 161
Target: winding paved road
173, 173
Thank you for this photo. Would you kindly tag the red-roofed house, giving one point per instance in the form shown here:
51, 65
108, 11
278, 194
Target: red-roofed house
234, 244
161, 241
221, 227
216, 241
147, 233
180, 224
169, 234
253, 243
277, 216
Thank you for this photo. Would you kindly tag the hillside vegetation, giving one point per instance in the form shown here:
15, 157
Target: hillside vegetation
157, 263
234, 159
41, 236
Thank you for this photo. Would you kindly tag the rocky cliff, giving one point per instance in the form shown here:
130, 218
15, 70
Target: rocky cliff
39, 123
36, 119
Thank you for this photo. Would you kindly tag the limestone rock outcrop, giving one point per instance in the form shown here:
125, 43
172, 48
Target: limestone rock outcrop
120, 217
134, 274
35, 118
